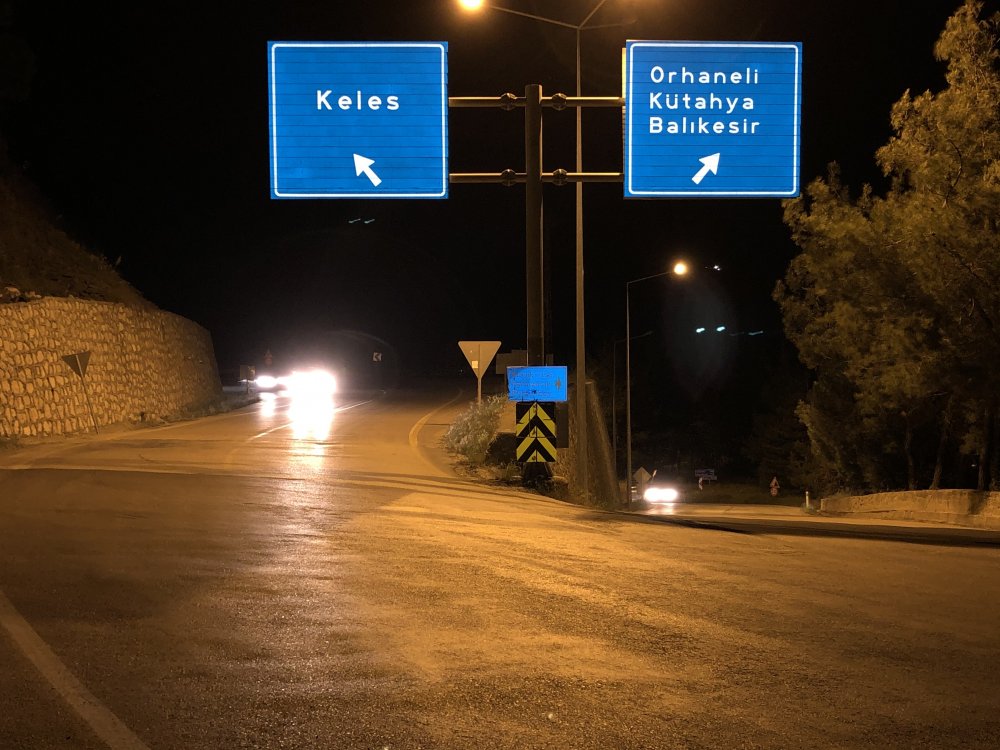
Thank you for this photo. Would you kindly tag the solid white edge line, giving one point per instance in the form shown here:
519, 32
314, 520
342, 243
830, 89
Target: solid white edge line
105, 724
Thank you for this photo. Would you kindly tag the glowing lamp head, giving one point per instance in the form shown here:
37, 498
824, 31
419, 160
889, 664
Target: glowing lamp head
680, 268
471, 5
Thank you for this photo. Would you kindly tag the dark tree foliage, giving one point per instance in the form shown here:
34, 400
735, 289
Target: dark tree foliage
17, 63
894, 301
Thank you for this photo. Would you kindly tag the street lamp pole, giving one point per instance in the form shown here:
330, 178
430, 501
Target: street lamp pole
678, 270
614, 395
628, 398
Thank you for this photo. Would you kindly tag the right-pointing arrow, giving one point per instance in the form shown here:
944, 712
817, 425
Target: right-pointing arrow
709, 163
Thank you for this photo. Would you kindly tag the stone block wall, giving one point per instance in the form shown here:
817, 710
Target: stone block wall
145, 364
964, 507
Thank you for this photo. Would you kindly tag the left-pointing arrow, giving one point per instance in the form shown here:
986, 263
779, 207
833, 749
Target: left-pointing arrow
364, 164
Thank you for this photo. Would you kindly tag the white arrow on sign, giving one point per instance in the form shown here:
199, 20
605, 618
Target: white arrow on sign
364, 164
710, 163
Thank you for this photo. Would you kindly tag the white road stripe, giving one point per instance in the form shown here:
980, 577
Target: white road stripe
105, 724
337, 410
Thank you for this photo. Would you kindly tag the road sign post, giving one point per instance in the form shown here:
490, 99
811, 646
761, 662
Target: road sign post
78, 363
358, 119
641, 477
712, 119
479, 355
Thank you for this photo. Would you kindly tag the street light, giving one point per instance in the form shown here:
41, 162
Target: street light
679, 269
581, 351
614, 394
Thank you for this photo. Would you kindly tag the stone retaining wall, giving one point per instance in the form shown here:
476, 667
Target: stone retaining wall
964, 507
145, 364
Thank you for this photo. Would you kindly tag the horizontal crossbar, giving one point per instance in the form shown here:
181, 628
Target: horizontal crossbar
510, 177
557, 101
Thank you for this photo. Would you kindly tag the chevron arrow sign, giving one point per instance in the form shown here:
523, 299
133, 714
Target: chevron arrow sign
536, 432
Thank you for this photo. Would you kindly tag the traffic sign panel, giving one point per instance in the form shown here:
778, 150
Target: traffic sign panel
712, 119
479, 354
535, 432
536, 383
358, 119
78, 362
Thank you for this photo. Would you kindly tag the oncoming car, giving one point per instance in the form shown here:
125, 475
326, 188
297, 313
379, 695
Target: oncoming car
657, 494
268, 384
658, 491
308, 384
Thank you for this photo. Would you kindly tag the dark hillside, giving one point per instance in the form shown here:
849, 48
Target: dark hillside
39, 259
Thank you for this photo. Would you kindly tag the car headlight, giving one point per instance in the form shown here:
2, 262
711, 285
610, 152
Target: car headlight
660, 494
266, 381
311, 384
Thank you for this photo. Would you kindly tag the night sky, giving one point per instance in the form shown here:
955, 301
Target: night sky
147, 130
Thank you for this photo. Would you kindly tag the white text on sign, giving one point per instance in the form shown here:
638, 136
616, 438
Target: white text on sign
708, 102
346, 102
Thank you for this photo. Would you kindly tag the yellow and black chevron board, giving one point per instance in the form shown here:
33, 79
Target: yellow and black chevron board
536, 431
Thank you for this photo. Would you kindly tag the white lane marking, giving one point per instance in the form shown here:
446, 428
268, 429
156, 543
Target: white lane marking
339, 409
105, 724
265, 433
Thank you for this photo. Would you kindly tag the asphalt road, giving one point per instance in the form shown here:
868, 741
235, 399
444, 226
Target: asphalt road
288, 578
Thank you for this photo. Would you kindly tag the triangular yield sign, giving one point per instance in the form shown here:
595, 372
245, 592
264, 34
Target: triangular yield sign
78, 362
479, 354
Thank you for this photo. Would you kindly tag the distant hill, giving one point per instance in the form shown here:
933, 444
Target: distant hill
39, 259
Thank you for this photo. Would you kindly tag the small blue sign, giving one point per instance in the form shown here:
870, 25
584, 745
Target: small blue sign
712, 119
358, 119
536, 383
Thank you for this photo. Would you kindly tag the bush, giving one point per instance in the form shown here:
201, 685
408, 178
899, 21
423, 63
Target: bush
474, 431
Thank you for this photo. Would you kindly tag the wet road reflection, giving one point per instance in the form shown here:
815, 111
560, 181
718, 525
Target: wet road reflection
312, 416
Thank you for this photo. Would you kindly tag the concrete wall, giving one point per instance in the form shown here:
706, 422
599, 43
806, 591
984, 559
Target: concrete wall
145, 364
964, 507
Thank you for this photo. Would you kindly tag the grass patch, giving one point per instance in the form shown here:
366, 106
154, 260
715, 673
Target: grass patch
474, 431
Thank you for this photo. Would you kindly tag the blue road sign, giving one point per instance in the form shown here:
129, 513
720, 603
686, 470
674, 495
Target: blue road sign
536, 383
358, 119
712, 119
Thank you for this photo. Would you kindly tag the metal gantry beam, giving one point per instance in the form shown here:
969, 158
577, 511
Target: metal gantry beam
510, 177
512, 101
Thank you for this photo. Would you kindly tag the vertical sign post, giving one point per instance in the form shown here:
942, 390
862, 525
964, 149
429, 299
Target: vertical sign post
479, 354
78, 364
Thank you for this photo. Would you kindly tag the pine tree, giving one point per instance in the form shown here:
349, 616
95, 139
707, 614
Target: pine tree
894, 300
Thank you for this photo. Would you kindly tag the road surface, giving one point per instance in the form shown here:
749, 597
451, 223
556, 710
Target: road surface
281, 577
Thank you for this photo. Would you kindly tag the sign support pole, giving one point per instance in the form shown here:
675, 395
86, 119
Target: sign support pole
533, 223
533, 178
479, 354
78, 363
479, 376
90, 406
